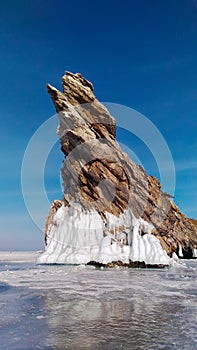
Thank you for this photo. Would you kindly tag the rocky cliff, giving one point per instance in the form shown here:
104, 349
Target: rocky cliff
99, 176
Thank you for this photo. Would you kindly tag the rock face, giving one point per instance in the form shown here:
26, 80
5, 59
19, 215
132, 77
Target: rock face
99, 176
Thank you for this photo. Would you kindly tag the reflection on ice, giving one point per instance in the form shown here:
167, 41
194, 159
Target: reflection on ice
122, 322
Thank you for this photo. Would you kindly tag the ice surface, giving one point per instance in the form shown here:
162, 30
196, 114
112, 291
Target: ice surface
78, 236
80, 307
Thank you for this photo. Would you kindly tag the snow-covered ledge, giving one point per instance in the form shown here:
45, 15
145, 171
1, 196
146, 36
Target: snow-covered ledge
79, 236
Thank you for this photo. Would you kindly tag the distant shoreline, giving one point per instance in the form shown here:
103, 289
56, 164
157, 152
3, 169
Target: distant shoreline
19, 256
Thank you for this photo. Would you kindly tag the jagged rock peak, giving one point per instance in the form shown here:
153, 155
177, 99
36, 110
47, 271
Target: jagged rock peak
69, 79
76, 91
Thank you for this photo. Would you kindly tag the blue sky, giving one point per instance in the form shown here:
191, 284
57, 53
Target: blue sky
141, 54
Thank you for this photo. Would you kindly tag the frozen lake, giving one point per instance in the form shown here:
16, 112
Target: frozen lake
78, 307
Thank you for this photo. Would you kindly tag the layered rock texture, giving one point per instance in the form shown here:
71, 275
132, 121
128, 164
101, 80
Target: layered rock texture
100, 177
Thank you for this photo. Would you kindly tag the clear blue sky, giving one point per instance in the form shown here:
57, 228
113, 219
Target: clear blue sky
141, 54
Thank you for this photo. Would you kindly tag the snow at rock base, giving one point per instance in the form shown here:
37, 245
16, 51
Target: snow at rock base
78, 236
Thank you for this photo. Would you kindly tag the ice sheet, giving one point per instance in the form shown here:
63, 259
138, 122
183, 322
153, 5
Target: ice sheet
81, 307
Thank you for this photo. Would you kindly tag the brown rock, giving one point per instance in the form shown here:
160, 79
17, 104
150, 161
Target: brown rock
99, 175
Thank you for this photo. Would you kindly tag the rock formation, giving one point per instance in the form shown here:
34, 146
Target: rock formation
98, 177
